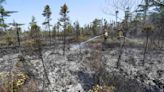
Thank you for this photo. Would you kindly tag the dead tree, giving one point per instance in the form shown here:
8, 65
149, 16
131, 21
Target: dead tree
18, 29
123, 35
147, 29
144, 8
38, 45
43, 64
122, 44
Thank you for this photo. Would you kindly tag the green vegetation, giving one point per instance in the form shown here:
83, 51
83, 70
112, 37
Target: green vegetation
47, 13
64, 22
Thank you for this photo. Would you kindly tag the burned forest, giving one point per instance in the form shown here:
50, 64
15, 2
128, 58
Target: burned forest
50, 46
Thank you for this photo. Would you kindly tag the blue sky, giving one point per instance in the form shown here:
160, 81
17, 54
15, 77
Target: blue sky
84, 11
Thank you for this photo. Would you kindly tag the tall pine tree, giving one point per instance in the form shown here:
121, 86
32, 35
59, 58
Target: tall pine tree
64, 21
47, 14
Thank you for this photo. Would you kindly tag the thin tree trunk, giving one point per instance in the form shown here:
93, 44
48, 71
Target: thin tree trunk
120, 53
64, 38
18, 39
145, 16
146, 45
43, 64
49, 33
159, 36
64, 42
45, 71
3, 22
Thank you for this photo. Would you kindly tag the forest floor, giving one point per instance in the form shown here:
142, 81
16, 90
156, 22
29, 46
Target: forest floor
81, 69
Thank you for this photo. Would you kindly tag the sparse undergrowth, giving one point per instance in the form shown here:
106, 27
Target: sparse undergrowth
20, 82
17, 79
98, 88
